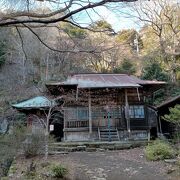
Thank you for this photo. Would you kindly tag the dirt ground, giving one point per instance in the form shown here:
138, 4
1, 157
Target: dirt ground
109, 165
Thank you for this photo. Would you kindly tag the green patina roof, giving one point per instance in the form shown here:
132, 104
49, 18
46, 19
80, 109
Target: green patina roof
36, 102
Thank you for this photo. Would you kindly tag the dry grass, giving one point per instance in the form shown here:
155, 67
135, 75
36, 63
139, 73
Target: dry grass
42, 168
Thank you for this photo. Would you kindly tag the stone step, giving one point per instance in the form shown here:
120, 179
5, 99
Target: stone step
116, 137
57, 152
111, 139
63, 149
67, 149
115, 133
107, 139
107, 135
115, 144
107, 130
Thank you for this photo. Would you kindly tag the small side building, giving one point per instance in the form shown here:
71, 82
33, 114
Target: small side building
36, 110
166, 128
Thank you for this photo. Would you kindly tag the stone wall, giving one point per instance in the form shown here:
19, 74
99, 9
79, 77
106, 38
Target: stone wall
80, 136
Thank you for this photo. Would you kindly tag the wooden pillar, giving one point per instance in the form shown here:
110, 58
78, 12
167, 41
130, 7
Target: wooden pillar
127, 113
65, 125
77, 91
138, 94
65, 112
90, 113
160, 126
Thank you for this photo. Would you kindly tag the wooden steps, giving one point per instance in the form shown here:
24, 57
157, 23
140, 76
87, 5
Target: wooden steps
108, 134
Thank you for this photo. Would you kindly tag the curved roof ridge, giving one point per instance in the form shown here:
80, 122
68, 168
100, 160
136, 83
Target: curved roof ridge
35, 102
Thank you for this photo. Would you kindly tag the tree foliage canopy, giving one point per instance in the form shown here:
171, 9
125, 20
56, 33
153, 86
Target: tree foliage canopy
126, 67
74, 31
154, 71
174, 115
48, 41
161, 34
103, 26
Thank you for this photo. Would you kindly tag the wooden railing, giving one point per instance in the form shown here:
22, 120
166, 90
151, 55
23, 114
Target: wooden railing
77, 124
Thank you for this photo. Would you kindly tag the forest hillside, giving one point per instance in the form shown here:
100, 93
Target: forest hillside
30, 57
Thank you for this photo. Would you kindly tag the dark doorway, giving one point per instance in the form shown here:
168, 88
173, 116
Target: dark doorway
58, 122
167, 129
153, 133
58, 131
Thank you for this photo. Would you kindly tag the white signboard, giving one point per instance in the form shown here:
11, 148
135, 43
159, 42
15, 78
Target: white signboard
52, 127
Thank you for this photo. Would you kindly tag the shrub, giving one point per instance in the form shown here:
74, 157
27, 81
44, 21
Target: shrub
4, 178
176, 138
12, 169
59, 171
10, 144
178, 154
33, 145
159, 150
31, 171
5, 165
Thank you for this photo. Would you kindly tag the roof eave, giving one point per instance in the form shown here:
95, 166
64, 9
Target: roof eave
154, 83
97, 87
168, 102
28, 108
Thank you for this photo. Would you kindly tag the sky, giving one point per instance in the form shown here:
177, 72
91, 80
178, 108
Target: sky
118, 16
117, 20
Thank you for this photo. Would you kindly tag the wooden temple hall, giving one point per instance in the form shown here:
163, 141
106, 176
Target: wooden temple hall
106, 107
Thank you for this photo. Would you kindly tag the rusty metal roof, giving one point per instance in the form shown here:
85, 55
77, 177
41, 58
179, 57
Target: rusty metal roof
105, 80
169, 101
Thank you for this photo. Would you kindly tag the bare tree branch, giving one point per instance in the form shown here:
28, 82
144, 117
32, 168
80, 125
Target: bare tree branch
94, 50
22, 42
13, 19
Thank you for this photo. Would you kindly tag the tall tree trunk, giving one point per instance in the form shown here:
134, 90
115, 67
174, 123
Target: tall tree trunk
47, 133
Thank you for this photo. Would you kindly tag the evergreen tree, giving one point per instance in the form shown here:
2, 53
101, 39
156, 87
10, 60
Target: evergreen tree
153, 71
103, 25
174, 115
126, 67
74, 31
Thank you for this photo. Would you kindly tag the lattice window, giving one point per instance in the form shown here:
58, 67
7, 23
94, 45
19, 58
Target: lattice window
136, 111
76, 113
82, 113
100, 112
71, 113
115, 113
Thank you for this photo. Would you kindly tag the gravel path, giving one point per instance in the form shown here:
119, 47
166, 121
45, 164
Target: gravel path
108, 165
117, 165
